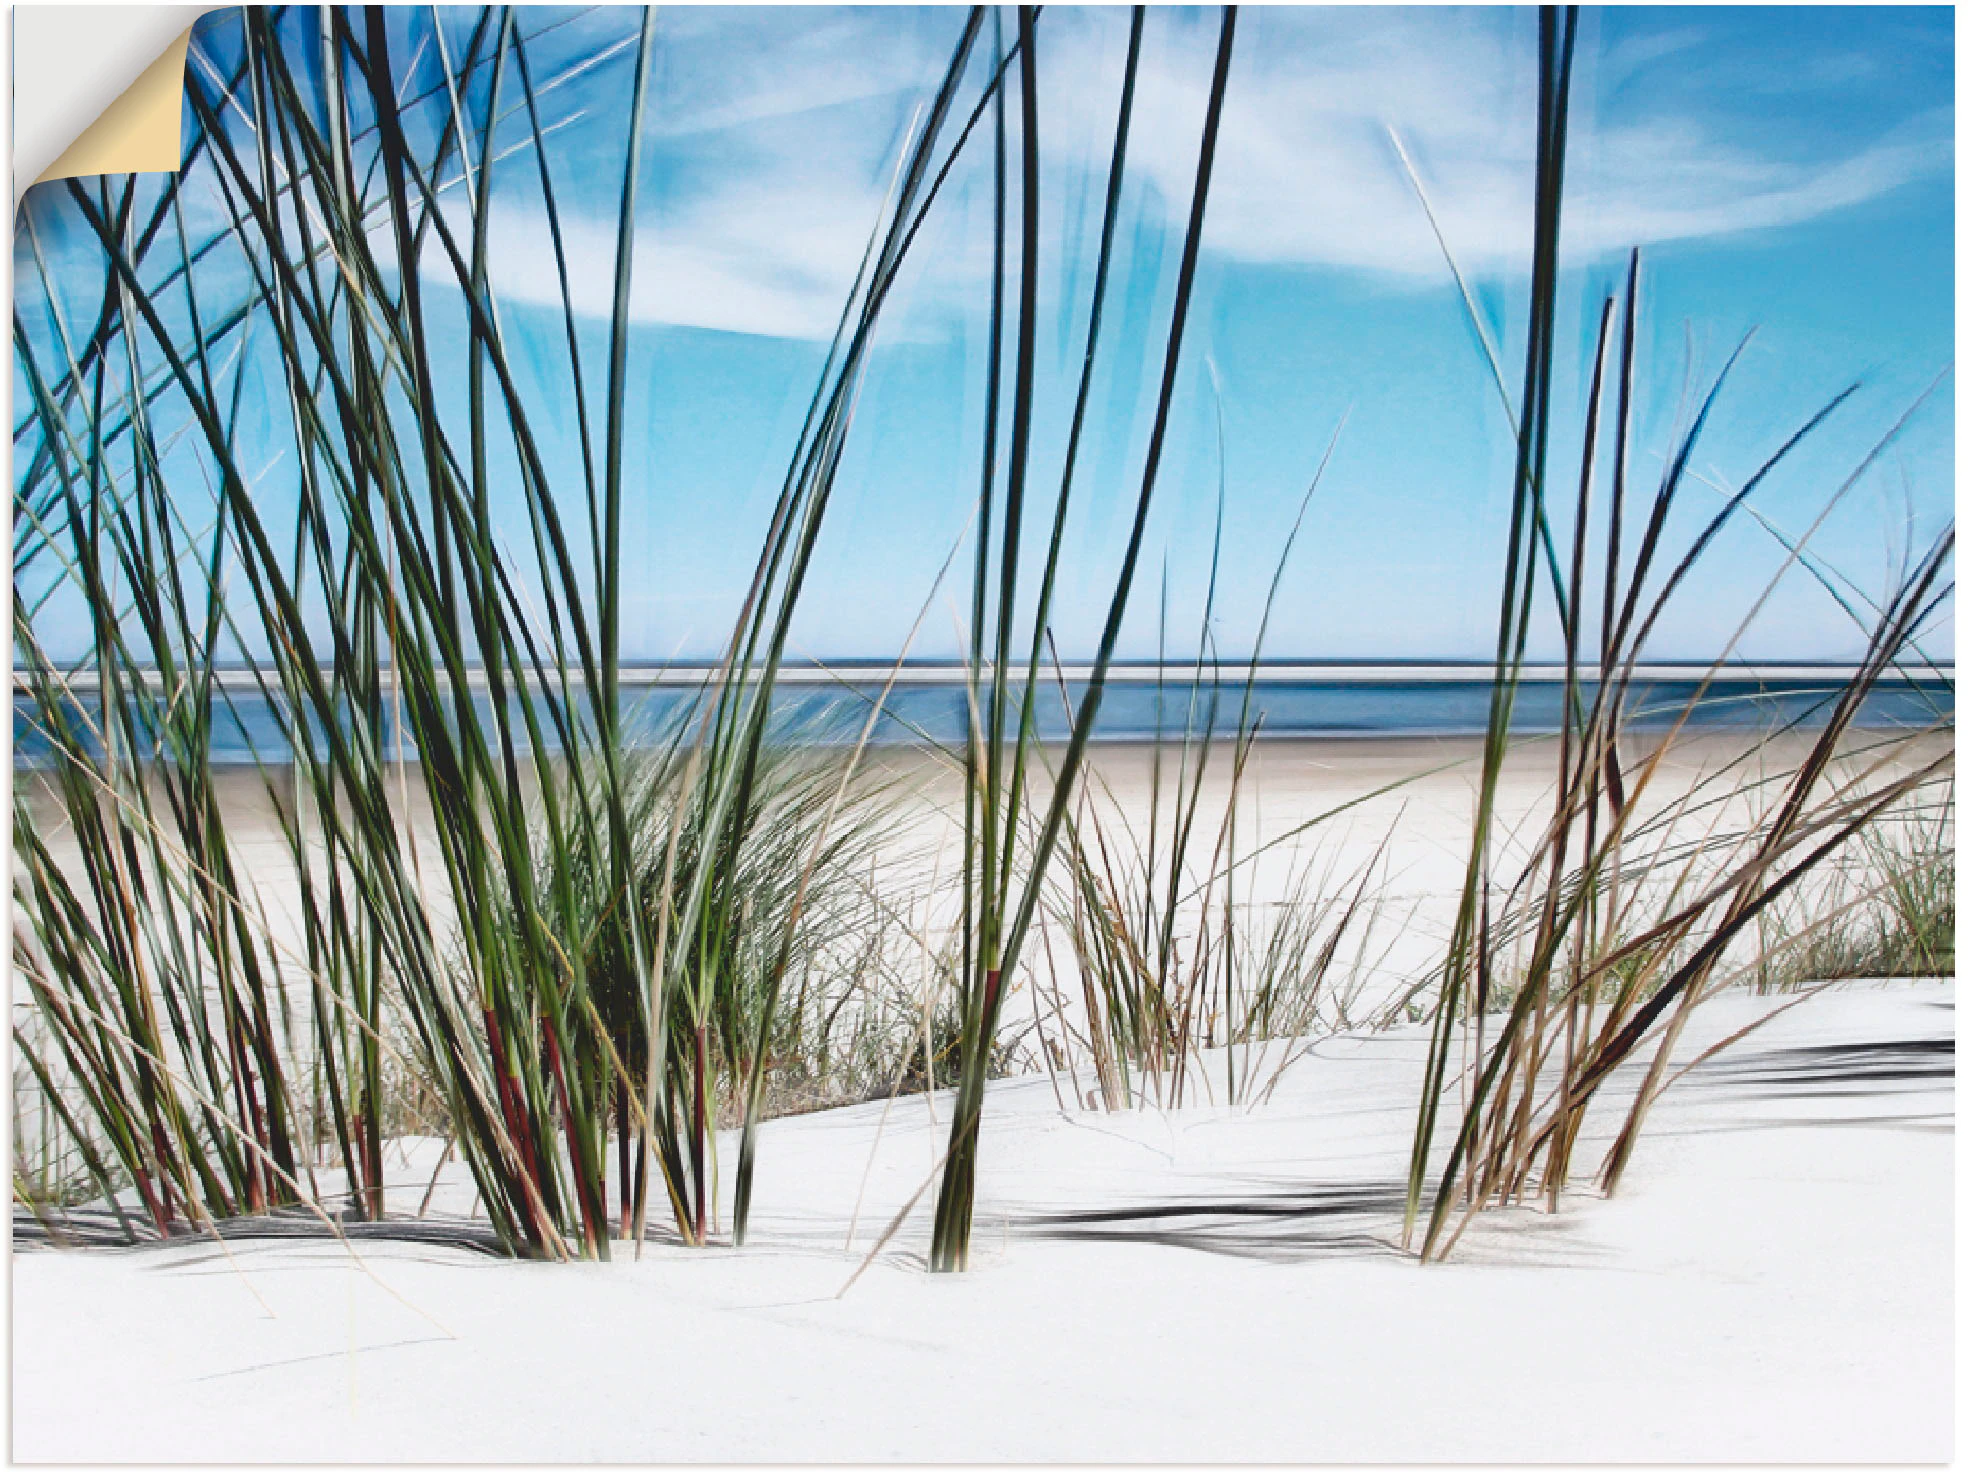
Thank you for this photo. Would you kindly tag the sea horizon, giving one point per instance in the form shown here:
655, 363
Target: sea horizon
925, 703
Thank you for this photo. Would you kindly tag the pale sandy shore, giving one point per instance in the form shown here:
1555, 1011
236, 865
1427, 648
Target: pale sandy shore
1774, 1283
1405, 805
1341, 795
1403, 808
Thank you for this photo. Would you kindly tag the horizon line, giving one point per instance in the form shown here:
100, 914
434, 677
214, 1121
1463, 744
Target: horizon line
864, 670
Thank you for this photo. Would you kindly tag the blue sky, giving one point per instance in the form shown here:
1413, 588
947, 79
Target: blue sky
1783, 169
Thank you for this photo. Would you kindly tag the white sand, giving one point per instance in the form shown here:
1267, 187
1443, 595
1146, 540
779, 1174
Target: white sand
1775, 1282
1329, 808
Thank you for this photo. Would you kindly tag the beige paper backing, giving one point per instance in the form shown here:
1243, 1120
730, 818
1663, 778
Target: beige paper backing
139, 132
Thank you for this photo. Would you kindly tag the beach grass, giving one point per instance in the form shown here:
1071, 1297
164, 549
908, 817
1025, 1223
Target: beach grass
491, 906
497, 946
1594, 957
1001, 895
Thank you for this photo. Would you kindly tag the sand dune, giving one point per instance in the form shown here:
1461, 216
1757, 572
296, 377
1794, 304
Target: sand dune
1773, 1283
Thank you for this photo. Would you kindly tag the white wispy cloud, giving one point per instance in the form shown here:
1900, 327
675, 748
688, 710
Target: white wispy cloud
771, 135
774, 260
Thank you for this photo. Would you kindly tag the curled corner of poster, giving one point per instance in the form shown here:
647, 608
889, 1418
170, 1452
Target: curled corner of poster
139, 131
